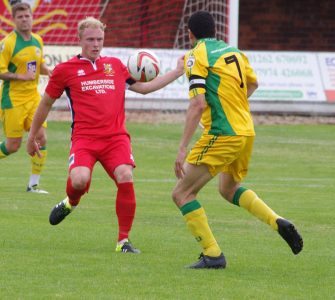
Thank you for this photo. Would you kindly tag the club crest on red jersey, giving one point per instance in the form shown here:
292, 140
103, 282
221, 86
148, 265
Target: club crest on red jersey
108, 70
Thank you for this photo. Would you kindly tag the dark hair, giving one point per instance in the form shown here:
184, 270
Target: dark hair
19, 6
13, 2
202, 25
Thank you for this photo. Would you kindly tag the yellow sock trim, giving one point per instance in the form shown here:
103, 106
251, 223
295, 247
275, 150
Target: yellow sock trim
253, 204
197, 223
37, 163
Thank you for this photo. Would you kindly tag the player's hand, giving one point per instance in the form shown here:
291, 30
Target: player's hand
33, 147
180, 65
30, 75
179, 163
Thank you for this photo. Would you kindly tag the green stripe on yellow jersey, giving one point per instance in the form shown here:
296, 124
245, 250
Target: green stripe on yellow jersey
221, 72
18, 56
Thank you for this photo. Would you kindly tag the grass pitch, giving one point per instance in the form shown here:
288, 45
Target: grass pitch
293, 170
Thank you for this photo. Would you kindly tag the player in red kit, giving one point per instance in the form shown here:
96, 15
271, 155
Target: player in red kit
95, 87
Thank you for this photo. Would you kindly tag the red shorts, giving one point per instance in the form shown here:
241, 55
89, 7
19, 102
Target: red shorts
110, 152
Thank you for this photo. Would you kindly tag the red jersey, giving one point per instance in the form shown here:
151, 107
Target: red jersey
96, 93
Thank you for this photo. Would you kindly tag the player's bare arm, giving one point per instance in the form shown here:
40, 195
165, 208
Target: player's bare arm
39, 117
45, 70
8, 76
251, 87
193, 116
160, 81
14, 76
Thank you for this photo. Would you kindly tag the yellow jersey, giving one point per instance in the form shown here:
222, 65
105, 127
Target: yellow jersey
18, 56
221, 72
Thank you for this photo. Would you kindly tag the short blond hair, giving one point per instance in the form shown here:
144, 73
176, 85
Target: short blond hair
89, 22
20, 7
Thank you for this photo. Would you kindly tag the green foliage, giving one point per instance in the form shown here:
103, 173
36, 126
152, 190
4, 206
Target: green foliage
292, 170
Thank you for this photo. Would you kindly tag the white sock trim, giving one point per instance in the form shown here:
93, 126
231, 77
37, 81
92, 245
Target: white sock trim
34, 179
122, 241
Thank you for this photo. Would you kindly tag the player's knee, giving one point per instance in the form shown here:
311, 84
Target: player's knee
13, 147
124, 177
123, 174
12, 150
80, 182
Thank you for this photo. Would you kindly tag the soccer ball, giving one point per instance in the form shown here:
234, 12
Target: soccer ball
143, 65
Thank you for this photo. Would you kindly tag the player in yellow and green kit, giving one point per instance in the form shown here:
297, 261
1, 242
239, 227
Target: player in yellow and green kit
220, 82
21, 63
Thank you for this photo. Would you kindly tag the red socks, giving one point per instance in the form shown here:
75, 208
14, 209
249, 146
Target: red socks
125, 204
74, 195
125, 208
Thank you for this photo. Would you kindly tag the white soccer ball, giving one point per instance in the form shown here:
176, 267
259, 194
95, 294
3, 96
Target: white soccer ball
143, 65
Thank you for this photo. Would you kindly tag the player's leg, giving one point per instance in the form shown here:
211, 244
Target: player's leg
185, 197
231, 190
125, 207
117, 160
81, 163
77, 185
12, 121
246, 198
37, 163
9, 146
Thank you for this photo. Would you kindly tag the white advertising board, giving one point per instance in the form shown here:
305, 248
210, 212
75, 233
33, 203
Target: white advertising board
327, 68
293, 76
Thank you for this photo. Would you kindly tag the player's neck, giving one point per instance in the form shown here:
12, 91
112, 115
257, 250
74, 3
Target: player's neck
86, 57
26, 35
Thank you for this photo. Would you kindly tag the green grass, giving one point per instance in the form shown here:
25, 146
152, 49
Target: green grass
293, 170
